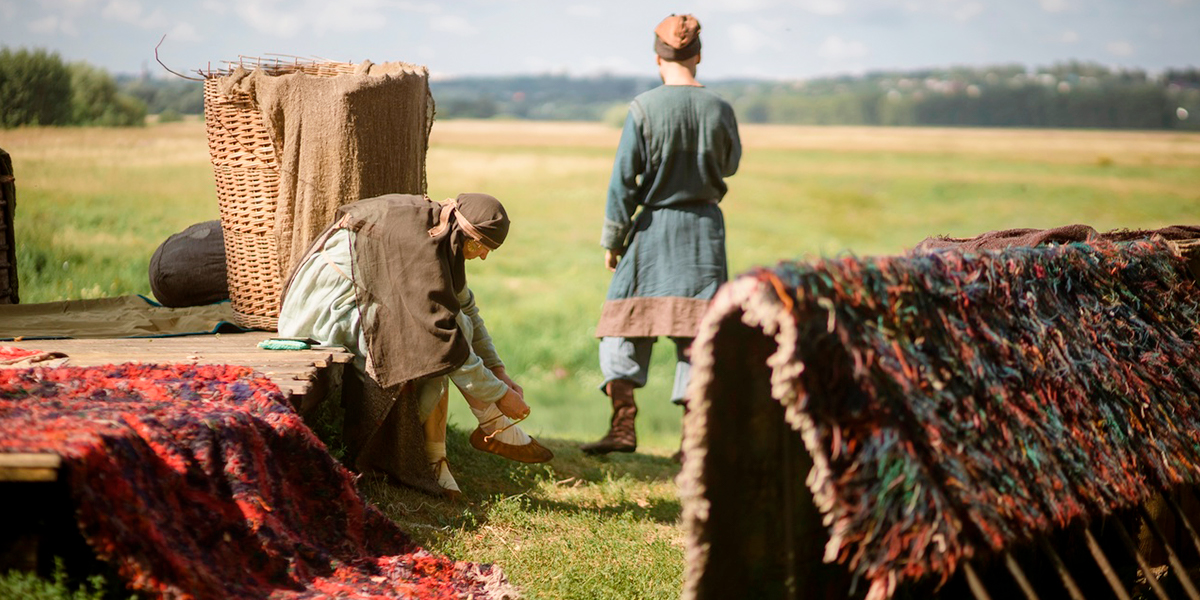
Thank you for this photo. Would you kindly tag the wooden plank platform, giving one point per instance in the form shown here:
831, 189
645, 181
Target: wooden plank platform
294, 371
25, 466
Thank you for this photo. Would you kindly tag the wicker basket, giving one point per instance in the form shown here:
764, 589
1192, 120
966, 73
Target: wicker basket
247, 180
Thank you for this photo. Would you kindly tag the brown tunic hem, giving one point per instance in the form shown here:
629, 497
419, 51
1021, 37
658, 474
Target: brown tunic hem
651, 317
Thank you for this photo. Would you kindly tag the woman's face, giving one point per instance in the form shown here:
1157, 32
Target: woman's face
474, 249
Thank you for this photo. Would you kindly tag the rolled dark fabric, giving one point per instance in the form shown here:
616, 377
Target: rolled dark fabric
188, 269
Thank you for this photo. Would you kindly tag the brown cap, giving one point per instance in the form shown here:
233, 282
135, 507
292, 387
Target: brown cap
677, 37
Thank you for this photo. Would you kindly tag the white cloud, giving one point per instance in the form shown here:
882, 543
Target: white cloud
8, 10
748, 39
428, 8
214, 6
1069, 37
426, 53
184, 32
265, 16
1055, 6
734, 6
587, 11
288, 18
340, 18
818, 7
967, 11
452, 24
123, 10
959, 10
836, 48
52, 24
130, 11
44, 25
824, 7
60, 15
1120, 48
72, 6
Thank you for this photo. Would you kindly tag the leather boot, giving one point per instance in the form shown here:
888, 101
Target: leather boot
621, 437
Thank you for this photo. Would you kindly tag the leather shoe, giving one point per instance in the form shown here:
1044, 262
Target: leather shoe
533, 452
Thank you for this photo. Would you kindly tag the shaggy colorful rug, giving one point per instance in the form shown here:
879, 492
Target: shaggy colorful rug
955, 403
201, 482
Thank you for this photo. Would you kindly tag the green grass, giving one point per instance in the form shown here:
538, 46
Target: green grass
576, 527
59, 586
93, 205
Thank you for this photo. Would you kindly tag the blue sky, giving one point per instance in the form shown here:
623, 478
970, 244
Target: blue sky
777, 39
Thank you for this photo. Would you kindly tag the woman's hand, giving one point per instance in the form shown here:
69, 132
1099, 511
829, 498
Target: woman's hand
513, 406
503, 376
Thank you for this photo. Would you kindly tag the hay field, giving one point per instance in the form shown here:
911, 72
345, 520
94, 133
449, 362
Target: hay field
94, 203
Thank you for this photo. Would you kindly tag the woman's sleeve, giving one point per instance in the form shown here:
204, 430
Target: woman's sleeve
481, 340
477, 381
475, 378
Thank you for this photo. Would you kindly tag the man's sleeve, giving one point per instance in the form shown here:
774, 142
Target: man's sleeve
623, 193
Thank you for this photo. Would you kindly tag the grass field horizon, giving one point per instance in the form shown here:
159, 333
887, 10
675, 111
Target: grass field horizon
93, 204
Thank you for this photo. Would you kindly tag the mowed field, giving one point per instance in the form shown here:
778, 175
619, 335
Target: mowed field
93, 204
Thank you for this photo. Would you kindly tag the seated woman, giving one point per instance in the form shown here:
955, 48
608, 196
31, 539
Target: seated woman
387, 281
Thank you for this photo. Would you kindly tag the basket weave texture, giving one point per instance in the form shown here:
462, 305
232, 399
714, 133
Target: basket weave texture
247, 170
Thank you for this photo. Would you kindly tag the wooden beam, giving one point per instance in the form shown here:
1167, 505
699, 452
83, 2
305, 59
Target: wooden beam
24, 466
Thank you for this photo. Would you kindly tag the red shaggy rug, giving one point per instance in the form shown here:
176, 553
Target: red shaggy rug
201, 482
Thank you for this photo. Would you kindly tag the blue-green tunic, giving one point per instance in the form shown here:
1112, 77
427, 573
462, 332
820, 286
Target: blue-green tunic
678, 146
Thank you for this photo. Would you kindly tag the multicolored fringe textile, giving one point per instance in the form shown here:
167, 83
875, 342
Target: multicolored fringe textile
201, 482
954, 403
9, 354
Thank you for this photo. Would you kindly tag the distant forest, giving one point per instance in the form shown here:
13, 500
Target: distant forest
1067, 95
1070, 95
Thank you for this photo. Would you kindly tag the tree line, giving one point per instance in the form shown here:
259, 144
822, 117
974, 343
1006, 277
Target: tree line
1069, 95
38, 88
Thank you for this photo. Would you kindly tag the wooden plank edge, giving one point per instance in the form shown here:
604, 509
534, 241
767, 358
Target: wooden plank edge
26, 466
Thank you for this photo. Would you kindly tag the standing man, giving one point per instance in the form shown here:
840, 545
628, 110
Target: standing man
679, 144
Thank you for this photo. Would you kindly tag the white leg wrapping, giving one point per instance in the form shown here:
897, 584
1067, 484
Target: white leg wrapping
436, 451
490, 419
